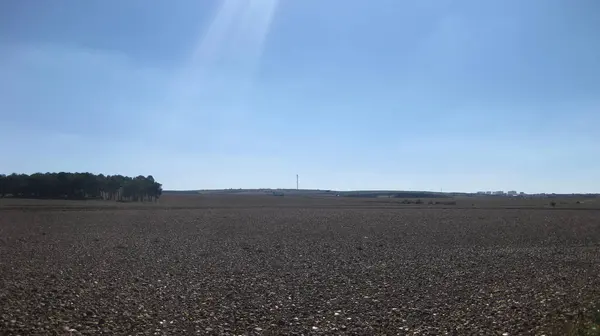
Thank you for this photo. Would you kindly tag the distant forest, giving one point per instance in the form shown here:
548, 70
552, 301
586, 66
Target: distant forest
80, 186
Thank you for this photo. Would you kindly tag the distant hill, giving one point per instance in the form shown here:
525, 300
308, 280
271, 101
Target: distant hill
312, 192
265, 191
180, 192
356, 193
394, 194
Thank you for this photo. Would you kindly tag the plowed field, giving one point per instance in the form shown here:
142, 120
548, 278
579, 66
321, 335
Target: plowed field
277, 266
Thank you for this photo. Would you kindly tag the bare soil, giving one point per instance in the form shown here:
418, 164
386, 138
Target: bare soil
277, 265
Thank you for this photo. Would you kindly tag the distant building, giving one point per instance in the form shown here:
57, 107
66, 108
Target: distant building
499, 192
512, 193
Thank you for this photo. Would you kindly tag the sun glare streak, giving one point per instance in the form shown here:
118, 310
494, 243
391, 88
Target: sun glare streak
208, 49
210, 43
223, 62
253, 29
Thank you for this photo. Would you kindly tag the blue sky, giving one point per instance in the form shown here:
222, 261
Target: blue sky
461, 95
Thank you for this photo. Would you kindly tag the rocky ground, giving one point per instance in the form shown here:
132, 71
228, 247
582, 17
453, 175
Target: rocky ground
295, 270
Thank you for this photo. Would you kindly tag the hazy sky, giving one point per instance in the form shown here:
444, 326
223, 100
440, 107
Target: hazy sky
463, 95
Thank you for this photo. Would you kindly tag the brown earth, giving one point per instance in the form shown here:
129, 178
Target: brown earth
281, 265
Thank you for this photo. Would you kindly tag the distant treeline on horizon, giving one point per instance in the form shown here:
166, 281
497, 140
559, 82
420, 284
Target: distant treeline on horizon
364, 193
80, 186
313, 192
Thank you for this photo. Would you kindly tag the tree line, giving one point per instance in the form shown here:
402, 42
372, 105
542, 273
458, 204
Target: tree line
80, 186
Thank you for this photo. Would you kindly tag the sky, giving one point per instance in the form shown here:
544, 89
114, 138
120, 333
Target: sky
457, 95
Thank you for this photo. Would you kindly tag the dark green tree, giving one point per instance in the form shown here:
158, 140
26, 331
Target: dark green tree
80, 186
